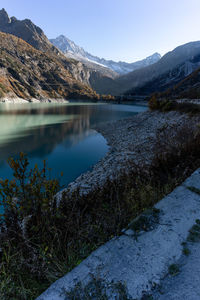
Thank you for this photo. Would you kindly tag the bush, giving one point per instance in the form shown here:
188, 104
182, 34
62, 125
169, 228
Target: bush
30, 193
153, 103
41, 242
166, 105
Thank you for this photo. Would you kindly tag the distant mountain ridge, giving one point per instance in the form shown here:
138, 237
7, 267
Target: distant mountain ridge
74, 51
31, 66
168, 79
188, 88
173, 67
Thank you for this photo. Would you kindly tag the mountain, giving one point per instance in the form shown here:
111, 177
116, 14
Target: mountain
27, 31
150, 75
27, 73
170, 69
187, 88
85, 72
168, 79
74, 51
66, 45
33, 35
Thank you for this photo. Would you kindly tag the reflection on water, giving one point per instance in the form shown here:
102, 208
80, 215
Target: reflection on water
59, 133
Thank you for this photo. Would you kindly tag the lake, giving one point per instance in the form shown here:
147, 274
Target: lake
61, 134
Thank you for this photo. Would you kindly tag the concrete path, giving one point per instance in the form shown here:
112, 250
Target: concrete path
141, 263
185, 285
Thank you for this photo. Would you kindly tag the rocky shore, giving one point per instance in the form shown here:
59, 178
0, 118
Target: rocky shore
130, 140
16, 100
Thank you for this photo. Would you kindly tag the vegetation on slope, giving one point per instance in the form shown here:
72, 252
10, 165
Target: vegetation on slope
172, 67
40, 242
187, 88
165, 105
86, 72
29, 73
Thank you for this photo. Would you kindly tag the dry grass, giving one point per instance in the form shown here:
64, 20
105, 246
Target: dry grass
52, 241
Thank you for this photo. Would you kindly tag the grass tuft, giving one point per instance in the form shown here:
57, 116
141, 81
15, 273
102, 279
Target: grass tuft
194, 233
98, 289
174, 270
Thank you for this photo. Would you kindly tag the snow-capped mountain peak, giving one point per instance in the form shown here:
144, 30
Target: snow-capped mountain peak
74, 51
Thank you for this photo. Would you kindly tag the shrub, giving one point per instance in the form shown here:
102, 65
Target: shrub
174, 270
30, 193
153, 103
41, 242
177, 151
166, 105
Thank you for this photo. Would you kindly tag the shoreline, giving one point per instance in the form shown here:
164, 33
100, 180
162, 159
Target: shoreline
17, 100
143, 253
131, 141
28, 101
87, 222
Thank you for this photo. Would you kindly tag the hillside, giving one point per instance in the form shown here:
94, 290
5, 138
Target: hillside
85, 72
168, 79
171, 68
28, 73
27, 31
187, 88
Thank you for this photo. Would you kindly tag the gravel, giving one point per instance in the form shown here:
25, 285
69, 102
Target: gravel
130, 140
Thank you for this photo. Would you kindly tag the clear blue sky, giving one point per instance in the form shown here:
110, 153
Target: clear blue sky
115, 29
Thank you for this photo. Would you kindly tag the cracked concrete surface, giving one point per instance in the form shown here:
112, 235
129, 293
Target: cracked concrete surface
186, 285
141, 263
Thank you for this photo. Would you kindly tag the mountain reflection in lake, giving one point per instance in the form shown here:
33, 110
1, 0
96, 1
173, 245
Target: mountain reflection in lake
59, 133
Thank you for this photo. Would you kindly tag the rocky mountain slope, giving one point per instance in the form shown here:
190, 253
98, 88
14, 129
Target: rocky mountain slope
27, 31
170, 69
33, 35
74, 51
26, 72
99, 73
73, 74
168, 79
187, 88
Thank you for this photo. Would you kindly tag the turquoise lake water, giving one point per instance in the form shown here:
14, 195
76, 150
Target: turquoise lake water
59, 133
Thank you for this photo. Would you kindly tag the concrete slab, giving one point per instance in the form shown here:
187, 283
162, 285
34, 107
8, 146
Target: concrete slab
185, 285
140, 263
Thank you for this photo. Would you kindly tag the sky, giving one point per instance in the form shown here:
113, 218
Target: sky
122, 30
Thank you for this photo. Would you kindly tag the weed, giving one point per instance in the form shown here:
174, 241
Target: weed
95, 289
184, 244
147, 297
194, 190
174, 270
98, 289
146, 221
194, 233
186, 251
